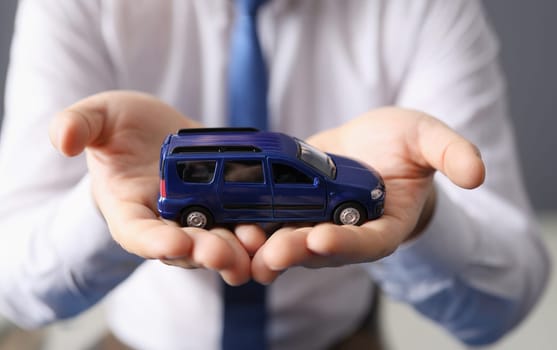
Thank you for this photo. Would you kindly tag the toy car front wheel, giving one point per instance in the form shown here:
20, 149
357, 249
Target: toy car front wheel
349, 214
196, 217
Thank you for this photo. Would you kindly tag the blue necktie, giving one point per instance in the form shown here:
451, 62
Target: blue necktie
245, 312
247, 75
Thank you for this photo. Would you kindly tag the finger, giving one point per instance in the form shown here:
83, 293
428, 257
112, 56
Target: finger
236, 269
450, 153
263, 274
252, 237
185, 263
356, 244
286, 247
141, 233
210, 250
327, 245
138, 230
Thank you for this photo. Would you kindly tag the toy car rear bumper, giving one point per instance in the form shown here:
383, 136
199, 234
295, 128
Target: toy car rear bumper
167, 210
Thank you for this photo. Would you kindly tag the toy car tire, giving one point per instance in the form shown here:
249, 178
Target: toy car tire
350, 213
196, 217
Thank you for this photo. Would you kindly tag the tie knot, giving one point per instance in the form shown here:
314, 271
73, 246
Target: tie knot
249, 7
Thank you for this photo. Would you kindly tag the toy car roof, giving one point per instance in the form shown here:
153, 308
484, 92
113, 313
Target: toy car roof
213, 140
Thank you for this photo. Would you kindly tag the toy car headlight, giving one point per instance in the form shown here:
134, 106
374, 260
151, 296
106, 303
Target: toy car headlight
377, 193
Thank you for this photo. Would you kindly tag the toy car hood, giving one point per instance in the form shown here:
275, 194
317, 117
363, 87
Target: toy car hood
350, 171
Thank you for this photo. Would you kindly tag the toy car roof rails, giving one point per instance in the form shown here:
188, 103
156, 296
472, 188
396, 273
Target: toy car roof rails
212, 149
215, 130
238, 175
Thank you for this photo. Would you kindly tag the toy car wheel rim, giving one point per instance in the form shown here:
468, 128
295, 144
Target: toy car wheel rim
350, 213
349, 216
196, 219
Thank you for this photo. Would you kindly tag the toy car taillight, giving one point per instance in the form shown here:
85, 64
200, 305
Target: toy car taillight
162, 188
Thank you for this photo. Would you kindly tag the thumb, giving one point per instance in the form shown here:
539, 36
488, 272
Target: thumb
93, 120
77, 127
453, 155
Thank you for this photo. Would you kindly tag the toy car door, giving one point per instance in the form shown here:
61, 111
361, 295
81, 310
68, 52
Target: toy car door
245, 194
298, 193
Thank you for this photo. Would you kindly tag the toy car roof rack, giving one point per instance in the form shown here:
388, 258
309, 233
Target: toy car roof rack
215, 149
215, 130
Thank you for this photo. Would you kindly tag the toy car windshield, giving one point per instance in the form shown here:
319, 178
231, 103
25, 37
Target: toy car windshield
317, 159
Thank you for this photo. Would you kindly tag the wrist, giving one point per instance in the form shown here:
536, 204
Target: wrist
426, 214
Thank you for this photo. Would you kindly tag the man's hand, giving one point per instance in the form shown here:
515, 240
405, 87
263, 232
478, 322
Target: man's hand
406, 147
121, 133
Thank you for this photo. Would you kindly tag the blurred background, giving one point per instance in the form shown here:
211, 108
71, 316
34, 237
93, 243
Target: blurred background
526, 31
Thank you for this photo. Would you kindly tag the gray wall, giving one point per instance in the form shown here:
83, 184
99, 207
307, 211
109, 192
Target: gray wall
527, 31
7, 9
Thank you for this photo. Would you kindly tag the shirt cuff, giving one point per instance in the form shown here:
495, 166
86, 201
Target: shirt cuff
85, 263
425, 265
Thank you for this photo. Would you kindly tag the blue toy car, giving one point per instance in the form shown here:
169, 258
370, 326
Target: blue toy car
231, 175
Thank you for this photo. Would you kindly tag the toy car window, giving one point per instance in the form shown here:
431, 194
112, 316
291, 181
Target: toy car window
285, 174
316, 159
247, 171
197, 171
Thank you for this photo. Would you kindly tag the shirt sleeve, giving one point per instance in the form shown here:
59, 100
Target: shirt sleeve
56, 255
480, 265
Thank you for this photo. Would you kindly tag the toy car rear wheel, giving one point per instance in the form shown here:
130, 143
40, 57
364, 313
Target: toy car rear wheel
196, 217
350, 213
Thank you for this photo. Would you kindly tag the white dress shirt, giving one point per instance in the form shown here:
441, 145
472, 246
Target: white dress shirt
477, 269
